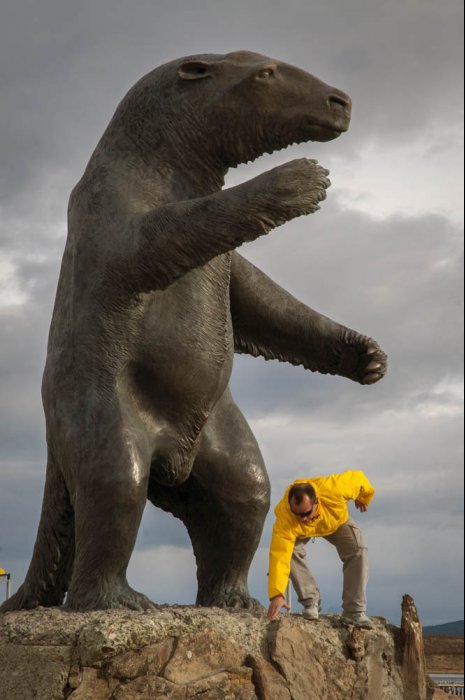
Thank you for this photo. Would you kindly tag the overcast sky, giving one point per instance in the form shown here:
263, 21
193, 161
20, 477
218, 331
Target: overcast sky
384, 256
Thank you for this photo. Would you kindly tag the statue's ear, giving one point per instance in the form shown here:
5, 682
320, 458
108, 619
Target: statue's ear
195, 70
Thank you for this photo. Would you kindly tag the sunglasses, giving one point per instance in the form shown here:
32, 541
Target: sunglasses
307, 512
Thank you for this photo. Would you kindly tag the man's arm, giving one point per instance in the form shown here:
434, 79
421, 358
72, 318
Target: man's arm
270, 322
281, 549
354, 486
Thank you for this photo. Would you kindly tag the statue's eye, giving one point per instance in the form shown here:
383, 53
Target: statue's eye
265, 74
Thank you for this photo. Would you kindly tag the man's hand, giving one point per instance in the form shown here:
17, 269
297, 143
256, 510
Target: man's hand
361, 506
275, 607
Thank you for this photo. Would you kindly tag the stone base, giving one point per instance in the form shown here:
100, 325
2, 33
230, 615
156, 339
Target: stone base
189, 652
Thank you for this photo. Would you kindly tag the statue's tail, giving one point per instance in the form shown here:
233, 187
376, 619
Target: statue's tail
50, 570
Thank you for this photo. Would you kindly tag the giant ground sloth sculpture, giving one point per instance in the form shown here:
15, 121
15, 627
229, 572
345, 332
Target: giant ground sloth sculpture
152, 302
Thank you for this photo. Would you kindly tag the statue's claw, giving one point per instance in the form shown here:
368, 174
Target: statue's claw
371, 378
361, 359
234, 599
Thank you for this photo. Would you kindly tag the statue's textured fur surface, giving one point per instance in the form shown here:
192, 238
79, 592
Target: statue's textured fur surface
153, 300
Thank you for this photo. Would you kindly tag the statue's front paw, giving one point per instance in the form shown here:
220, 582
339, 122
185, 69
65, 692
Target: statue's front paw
293, 189
361, 359
301, 185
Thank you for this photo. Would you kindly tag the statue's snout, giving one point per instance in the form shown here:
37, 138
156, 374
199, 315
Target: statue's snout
340, 106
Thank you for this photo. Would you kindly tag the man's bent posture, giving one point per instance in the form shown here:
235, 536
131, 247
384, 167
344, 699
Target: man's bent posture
319, 508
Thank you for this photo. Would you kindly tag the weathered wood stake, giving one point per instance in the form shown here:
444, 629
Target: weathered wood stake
413, 659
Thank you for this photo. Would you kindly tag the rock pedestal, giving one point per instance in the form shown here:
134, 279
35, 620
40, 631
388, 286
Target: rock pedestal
187, 652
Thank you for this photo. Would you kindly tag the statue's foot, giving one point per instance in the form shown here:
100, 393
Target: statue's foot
26, 599
19, 601
119, 597
236, 599
359, 358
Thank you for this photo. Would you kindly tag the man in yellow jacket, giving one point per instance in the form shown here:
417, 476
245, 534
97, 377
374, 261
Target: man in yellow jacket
319, 508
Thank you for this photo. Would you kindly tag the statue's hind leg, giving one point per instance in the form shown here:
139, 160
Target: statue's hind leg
108, 497
223, 505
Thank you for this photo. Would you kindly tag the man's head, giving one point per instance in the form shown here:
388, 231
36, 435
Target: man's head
303, 501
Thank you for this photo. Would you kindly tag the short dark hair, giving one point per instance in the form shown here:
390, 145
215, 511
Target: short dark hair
298, 492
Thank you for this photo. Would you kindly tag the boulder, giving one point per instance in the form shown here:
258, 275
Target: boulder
190, 652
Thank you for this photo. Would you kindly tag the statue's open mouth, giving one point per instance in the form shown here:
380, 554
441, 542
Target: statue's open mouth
330, 128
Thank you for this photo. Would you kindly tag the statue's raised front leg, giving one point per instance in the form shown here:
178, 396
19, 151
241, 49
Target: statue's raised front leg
169, 241
270, 322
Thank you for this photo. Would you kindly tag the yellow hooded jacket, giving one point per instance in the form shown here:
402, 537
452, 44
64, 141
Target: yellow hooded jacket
333, 493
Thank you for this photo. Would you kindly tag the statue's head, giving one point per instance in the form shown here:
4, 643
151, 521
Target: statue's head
235, 107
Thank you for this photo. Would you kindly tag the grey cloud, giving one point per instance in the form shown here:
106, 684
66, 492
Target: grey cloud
20, 502
65, 75
398, 280
22, 357
160, 528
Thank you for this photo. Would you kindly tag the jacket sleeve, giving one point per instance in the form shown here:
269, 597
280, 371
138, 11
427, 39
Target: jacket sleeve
281, 549
354, 486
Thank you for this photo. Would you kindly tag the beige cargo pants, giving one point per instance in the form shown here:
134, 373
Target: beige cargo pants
353, 552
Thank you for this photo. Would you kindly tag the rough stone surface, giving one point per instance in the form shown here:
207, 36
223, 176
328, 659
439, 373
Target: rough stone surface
150, 687
182, 653
269, 684
302, 652
231, 685
356, 644
198, 656
151, 659
92, 686
40, 672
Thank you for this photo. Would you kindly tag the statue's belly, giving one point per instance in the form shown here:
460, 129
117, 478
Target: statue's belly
183, 352
181, 367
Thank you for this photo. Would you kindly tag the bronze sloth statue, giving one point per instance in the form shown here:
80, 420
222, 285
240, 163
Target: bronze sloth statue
152, 303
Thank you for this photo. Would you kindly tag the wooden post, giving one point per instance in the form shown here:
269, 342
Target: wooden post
7, 576
413, 652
